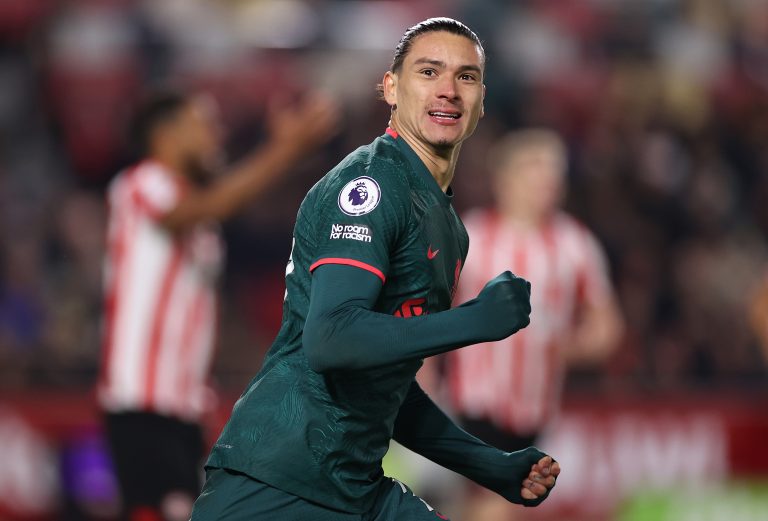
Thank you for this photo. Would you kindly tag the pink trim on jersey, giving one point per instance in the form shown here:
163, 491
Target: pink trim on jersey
516, 382
349, 262
392, 132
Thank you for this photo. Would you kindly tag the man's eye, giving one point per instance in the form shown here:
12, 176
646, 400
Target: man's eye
467, 77
428, 72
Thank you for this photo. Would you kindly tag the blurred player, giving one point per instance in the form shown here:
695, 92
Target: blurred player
758, 315
507, 391
377, 254
163, 258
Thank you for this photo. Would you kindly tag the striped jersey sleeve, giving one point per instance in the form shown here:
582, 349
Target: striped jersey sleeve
154, 190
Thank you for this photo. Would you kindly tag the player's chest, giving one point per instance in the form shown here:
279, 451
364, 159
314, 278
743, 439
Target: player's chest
204, 250
549, 262
429, 259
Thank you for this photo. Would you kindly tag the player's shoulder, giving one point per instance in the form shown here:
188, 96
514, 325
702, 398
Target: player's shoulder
577, 237
380, 160
145, 175
147, 183
150, 171
572, 226
478, 219
376, 168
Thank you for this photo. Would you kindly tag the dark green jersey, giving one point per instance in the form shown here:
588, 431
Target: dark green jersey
322, 436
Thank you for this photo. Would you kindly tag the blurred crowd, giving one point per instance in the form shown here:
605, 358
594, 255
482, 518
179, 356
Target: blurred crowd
663, 105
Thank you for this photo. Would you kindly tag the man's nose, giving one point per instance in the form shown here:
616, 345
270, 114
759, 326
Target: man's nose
447, 88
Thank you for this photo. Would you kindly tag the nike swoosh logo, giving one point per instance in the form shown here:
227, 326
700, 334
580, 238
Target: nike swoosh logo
432, 254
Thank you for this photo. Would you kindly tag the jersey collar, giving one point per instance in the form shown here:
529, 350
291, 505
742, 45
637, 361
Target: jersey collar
418, 165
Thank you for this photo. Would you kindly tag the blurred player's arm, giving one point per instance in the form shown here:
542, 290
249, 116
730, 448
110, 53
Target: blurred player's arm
524, 477
343, 333
597, 332
758, 315
598, 324
293, 132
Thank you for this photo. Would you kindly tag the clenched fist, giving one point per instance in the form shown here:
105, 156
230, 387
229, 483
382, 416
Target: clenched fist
533, 475
504, 305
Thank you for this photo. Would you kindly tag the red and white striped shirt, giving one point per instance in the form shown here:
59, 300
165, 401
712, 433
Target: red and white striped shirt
160, 300
516, 383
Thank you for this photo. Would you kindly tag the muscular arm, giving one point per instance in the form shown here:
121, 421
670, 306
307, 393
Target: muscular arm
596, 334
294, 133
343, 333
423, 428
758, 315
245, 182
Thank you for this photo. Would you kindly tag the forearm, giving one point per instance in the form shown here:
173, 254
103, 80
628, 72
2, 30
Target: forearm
423, 428
251, 177
596, 335
246, 181
350, 336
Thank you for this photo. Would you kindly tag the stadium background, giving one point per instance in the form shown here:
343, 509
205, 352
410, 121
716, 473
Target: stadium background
663, 104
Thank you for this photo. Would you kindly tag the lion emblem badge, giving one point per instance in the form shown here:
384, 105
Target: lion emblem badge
360, 196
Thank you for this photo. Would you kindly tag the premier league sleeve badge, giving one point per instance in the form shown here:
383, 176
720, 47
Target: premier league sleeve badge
360, 196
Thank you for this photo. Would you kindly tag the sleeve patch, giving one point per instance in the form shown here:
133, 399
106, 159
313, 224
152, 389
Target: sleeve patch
360, 196
354, 232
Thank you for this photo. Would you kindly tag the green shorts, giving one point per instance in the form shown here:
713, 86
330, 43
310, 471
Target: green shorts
231, 496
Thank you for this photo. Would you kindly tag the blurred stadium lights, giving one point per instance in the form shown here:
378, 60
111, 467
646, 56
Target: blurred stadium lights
368, 25
91, 38
283, 24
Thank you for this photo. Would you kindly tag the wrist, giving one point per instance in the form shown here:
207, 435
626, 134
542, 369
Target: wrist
284, 146
487, 324
471, 320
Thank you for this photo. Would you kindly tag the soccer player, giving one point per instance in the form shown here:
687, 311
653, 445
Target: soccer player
758, 314
376, 258
506, 392
162, 262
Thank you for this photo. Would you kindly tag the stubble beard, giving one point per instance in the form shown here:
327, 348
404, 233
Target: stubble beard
444, 145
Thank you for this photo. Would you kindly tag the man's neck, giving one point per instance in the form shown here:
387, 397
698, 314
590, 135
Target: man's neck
441, 162
171, 161
521, 217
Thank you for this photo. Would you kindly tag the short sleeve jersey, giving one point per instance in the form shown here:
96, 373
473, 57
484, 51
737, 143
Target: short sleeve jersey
160, 299
322, 436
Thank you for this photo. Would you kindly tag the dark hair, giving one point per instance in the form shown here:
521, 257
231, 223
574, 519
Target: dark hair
429, 25
157, 108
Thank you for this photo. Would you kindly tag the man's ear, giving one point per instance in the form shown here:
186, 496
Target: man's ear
390, 88
482, 103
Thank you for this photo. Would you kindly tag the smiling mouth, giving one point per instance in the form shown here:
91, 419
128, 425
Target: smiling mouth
444, 115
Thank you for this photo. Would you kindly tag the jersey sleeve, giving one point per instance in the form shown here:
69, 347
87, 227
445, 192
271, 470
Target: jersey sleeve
359, 216
156, 192
593, 281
